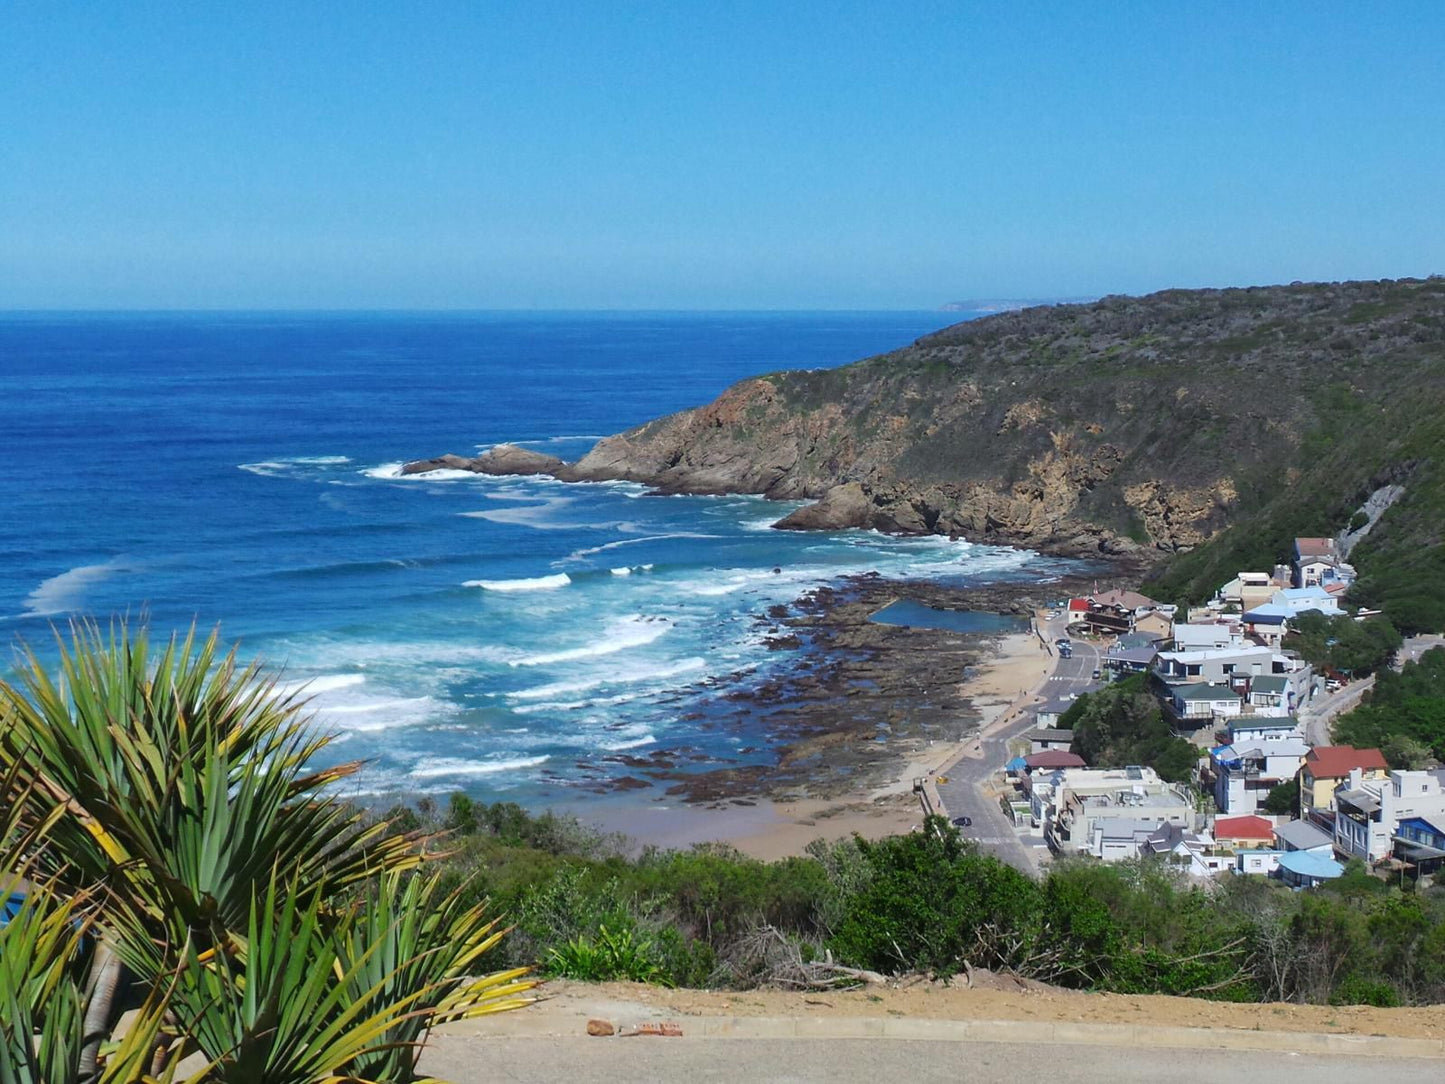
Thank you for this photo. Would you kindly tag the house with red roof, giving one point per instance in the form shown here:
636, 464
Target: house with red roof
1052, 759
1326, 766
1244, 833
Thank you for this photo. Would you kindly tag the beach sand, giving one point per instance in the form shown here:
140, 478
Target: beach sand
999, 689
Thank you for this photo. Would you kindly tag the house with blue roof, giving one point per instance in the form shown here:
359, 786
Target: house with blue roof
1420, 842
1306, 869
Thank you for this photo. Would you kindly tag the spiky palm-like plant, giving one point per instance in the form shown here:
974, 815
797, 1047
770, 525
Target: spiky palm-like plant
173, 792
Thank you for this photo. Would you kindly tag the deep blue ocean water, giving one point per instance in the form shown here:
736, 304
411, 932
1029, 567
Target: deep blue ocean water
502, 636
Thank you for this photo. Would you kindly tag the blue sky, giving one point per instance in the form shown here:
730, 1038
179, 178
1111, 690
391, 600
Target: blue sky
706, 155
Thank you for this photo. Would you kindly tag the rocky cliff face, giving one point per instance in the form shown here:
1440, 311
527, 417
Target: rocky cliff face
1123, 426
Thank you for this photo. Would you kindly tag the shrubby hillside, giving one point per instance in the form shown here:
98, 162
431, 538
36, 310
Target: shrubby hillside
1201, 428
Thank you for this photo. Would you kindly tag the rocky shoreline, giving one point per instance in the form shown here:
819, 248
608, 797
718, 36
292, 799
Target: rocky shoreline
894, 507
856, 699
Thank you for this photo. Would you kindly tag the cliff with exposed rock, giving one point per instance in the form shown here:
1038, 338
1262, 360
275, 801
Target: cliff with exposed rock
1146, 425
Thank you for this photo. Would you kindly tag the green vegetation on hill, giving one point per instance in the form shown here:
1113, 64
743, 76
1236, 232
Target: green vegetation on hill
928, 901
1404, 714
1355, 648
1123, 724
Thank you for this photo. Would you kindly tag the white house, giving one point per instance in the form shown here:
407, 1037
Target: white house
1261, 862
1215, 664
1207, 637
1202, 701
1095, 811
1368, 811
1300, 600
1270, 694
1262, 753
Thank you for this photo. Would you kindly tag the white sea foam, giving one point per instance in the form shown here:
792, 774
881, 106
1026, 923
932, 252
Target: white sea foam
547, 440
266, 469
576, 705
536, 583
589, 551
391, 472
62, 594
624, 571
326, 683
631, 743
432, 767
271, 468
633, 631
614, 677
386, 713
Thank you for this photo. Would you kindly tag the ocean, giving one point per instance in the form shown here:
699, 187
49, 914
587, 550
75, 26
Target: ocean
512, 638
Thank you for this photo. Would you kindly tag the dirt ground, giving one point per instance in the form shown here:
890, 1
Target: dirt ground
569, 1005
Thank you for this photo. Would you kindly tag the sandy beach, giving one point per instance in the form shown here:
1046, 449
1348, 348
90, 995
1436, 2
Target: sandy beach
999, 688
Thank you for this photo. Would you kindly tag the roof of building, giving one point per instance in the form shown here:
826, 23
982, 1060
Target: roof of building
1434, 824
1269, 684
1309, 864
1055, 758
1213, 654
1269, 614
1203, 690
1130, 600
1078, 604
1168, 836
1047, 733
1140, 655
1243, 828
1127, 827
1263, 722
1314, 547
1131, 641
1303, 594
1337, 761
1302, 835
1362, 800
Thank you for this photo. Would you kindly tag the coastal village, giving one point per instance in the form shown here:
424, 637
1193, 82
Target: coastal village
1259, 714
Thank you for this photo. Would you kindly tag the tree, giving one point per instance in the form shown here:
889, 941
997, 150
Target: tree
1283, 800
170, 797
1123, 724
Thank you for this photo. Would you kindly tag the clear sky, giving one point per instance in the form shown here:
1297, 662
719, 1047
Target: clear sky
708, 155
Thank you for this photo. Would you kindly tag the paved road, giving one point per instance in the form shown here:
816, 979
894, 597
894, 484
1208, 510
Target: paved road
474, 1060
962, 795
1320, 714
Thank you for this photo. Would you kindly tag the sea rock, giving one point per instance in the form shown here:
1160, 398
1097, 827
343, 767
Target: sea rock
441, 462
510, 459
502, 459
841, 507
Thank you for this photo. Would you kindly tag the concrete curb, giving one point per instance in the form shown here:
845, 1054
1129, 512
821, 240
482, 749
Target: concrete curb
1000, 1031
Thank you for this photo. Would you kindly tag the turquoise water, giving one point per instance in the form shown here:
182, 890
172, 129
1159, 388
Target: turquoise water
910, 614
510, 637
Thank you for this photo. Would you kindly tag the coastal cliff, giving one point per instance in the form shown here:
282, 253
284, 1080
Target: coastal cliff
1131, 425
